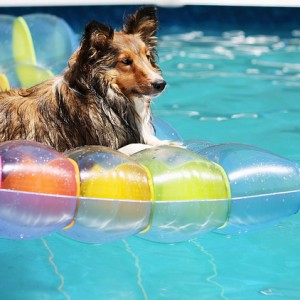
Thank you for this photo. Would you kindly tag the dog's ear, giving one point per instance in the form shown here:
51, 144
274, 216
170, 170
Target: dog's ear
144, 22
95, 45
97, 35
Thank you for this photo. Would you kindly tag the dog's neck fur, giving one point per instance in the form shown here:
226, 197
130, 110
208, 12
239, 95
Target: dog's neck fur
144, 121
142, 111
141, 105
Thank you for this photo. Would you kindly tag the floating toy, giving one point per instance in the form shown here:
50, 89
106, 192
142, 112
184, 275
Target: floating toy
107, 174
165, 194
264, 186
35, 47
191, 194
32, 175
164, 131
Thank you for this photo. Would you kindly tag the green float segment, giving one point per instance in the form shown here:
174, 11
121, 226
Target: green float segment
179, 175
183, 175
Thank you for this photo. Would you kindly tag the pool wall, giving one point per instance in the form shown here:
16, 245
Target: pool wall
206, 18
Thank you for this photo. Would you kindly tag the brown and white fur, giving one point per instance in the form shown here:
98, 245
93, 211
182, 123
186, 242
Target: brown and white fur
102, 98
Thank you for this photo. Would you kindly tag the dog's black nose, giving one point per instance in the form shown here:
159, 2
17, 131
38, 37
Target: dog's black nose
159, 85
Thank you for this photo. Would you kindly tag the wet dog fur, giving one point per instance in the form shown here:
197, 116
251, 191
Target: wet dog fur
102, 98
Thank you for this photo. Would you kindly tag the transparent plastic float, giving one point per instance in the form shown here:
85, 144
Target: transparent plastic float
24, 56
164, 194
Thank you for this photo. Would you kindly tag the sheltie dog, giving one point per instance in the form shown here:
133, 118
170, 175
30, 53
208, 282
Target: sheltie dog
102, 98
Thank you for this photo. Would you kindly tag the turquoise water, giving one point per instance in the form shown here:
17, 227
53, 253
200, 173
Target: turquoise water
229, 87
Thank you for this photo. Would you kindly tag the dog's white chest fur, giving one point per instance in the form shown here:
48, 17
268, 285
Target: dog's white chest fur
143, 121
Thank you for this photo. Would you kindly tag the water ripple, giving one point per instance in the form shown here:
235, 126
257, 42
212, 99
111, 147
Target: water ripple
233, 54
284, 293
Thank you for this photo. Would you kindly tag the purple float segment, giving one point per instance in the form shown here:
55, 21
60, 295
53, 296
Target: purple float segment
29, 215
264, 186
101, 221
178, 221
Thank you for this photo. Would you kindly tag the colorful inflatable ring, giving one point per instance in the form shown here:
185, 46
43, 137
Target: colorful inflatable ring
165, 194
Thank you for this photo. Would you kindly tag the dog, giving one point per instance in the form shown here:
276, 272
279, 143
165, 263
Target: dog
102, 98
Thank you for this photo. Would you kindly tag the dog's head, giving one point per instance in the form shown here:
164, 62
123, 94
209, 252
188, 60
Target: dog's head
126, 59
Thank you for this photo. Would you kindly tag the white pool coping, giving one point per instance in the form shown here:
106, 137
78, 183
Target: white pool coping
164, 3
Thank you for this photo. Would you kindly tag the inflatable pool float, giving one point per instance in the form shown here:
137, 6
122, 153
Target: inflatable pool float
34, 48
165, 194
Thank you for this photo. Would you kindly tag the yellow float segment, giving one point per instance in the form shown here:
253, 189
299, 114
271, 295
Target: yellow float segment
126, 181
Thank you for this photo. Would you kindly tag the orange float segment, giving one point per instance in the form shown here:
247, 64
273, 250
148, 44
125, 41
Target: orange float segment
64, 177
59, 176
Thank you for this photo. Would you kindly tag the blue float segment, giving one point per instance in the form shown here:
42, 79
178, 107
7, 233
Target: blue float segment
264, 186
165, 131
255, 213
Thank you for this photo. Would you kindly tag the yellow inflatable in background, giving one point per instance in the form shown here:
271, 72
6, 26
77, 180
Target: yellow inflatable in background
27, 70
40, 46
4, 83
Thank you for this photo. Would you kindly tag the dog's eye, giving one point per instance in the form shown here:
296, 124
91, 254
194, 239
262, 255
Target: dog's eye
148, 56
127, 61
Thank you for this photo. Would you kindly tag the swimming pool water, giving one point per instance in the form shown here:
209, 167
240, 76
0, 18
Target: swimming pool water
234, 87
222, 87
